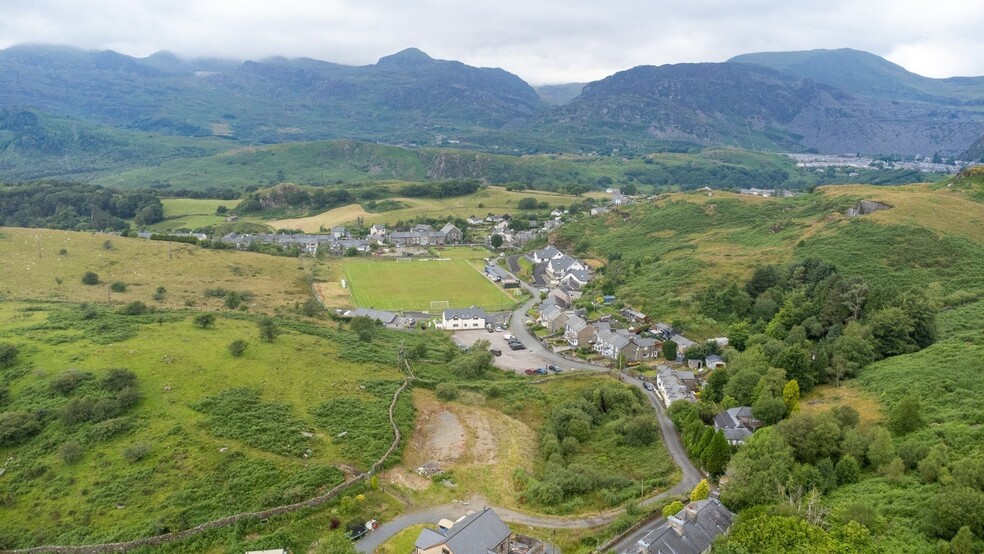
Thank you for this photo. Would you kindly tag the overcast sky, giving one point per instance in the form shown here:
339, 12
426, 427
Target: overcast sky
543, 41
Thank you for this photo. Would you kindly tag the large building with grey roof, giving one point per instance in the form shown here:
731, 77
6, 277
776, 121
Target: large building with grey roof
477, 533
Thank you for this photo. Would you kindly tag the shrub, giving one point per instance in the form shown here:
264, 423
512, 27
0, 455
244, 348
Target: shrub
118, 379
160, 294
90, 278
238, 347
134, 308
118, 286
204, 321
268, 329
672, 508
701, 491
447, 391
70, 452
107, 245
67, 381
17, 426
8, 354
136, 452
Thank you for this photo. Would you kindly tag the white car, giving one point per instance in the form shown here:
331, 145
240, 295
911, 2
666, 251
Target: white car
508, 337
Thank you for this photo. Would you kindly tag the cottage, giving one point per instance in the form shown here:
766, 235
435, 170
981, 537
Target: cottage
474, 220
737, 424
600, 210
610, 343
671, 387
578, 332
465, 318
338, 232
476, 533
556, 321
682, 342
692, 530
577, 278
546, 254
640, 349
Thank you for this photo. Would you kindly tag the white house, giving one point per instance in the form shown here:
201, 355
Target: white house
546, 254
464, 318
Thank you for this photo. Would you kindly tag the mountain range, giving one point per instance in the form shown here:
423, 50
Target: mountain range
825, 101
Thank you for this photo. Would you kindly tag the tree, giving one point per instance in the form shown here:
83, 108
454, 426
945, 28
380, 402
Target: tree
527, 203
118, 286
848, 470
670, 350
812, 437
769, 409
238, 347
757, 470
335, 543
672, 508
881, 449
906, 416
496, 241
351, 252
16, 427
364, 327
717, 454
268, 329
90, 278
963, 542
70, 452
791, 396
204, 321
701, 492
854, 298
311, 307
641, 430
891, 328
446, 391
134, 308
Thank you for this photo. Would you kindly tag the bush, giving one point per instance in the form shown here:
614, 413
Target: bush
134, 308
17, 426
67, 381
268, 329
672, 508
8, 354
447, 392
118, 379
136, 452
90, 278
238, 347
160, 294
118, 286
204, 321
70, 452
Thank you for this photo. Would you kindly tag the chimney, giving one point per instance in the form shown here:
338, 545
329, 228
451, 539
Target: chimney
676, 523
690, 512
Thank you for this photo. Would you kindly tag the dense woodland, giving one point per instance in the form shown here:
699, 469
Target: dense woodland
76, 207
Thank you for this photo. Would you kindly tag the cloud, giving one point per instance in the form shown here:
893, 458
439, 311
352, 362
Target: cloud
546, 41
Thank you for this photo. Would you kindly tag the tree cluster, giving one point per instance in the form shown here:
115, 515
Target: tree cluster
76, 207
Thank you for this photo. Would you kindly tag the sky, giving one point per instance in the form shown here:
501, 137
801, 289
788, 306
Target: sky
542, 41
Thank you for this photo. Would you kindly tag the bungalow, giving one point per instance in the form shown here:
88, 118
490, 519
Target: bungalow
476, 533
692, 530
682, 342
578, 332
465, 318
713, 362
737, 424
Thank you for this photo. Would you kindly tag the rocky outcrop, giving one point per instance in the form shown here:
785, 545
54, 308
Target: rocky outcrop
866, 207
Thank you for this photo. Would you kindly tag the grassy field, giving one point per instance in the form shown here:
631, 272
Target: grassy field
191, 213
391, 285
222, 434
491, 200
33, 267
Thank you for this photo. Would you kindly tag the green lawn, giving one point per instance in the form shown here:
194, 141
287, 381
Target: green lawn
391, 285
191, 213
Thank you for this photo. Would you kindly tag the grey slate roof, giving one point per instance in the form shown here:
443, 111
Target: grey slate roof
546, 253
464, 313
714, 359
729, 421
385, 317
576, 324
579, 275
691, 530
682, 341
560, 265
476, 533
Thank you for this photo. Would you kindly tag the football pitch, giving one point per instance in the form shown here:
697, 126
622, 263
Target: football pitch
414, 285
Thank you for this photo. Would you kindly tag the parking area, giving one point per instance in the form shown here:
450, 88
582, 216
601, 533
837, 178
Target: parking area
512, 360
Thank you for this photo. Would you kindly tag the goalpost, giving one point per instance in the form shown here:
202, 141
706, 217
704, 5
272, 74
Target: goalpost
404, 259
440, 304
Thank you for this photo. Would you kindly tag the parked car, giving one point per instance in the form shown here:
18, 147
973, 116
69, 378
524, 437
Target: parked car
495, 351
509, 337
489, 328
541, 370
554, 368
648, 386
498, 328
530, 372
516, 346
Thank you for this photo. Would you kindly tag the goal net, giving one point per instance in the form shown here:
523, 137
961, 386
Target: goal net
407, 260
440, 304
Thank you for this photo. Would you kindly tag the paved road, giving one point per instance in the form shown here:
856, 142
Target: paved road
513, 262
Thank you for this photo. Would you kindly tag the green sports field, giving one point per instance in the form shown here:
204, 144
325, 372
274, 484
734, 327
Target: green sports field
392, 285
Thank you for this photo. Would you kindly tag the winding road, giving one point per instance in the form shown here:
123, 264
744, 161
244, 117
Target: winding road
671, 438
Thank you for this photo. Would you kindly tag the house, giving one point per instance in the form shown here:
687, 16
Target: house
621, 200
546, 254
610, 343
599, 210
671, 387
692, 530
713, 362
338, 232
422, 228
640, 349
611, 190
385, 318
498, 275
737, 424
559, 267
475, 220
378, 231
682, 342
556, 321
452, 235
664, 329
476, 533
634, 316
464, 318
560, 297
578, 332
578, 276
